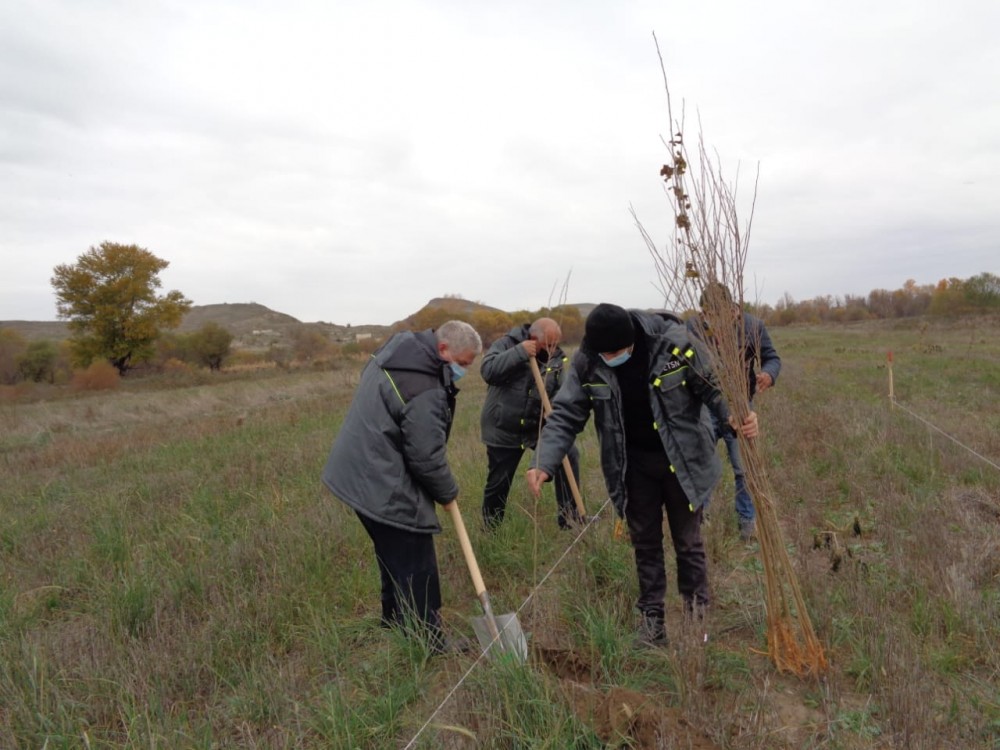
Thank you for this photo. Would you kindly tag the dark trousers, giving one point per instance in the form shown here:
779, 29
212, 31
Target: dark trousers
503, 463
411, 588
652, 488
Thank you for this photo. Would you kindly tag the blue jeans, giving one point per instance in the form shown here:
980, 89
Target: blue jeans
744, 503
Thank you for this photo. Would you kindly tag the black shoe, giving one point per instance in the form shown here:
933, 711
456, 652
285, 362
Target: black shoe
570, 520
651, 632
575, 521
448, 646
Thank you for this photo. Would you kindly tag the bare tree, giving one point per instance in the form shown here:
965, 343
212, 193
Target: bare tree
707, 252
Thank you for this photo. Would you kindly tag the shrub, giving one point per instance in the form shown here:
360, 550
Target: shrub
12, 346
99, 376
38, 362
211, 345
247, 359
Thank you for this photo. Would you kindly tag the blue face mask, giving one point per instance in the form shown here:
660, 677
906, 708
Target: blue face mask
457, 371
619, 360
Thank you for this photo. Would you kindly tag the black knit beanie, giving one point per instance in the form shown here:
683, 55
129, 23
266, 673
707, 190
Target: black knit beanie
608, 329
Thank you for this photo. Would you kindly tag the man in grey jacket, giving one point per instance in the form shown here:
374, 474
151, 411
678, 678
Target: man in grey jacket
646, 381
389, 463
512, 413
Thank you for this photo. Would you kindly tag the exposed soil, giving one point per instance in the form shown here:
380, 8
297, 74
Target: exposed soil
620, 715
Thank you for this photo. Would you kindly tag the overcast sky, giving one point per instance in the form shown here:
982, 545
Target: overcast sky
347, 161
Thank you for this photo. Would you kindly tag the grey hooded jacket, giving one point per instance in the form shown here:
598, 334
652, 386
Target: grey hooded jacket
513, 406
388, 460
680, 383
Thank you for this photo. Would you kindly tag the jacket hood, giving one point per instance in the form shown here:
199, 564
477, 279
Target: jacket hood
411, 351
650, 323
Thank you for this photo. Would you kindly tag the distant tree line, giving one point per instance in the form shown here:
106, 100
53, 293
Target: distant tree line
948, 298
116, 318
46, 361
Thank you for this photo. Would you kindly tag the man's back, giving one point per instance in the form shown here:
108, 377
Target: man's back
388, 460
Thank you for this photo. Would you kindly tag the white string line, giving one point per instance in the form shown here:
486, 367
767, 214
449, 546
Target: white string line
938, 429
490, 645
447, 698
562, 556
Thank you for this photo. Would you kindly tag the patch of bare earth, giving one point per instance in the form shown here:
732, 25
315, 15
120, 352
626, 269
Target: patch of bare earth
620, 716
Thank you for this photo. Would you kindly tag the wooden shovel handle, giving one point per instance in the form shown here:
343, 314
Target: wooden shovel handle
540, 385
470, 556
567, 466
477, 577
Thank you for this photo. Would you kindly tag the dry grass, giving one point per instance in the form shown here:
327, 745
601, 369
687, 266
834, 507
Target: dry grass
173, 575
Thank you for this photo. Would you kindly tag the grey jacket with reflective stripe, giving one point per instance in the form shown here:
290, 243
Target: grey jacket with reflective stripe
680, 383
388, 460
513, 405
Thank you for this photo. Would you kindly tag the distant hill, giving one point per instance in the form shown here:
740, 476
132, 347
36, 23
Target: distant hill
239, 319
458, 305
256, 326
33, 330
453, 305
251, 324
466, 307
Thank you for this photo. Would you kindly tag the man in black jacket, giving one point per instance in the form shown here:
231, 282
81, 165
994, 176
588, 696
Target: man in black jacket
389, 464
512, 413
646, 383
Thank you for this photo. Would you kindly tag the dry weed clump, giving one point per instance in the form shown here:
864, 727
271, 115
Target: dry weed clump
12, 394
99, 376
174, 366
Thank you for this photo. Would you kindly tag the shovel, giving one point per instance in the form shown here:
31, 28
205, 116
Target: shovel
567, 467
502, 630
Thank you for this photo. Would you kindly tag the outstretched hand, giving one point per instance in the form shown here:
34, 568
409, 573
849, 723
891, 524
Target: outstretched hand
536, 478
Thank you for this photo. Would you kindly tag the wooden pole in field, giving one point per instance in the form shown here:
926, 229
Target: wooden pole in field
892, 396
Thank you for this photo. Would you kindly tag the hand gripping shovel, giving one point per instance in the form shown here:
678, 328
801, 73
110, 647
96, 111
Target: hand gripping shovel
567, 467
502, 630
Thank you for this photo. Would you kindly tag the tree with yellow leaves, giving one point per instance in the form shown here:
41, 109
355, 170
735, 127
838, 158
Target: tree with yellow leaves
109, 298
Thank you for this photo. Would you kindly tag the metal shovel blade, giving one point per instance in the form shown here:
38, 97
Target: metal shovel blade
512, 639
497, 634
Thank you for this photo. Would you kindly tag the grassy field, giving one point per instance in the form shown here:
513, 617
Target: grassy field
173, 575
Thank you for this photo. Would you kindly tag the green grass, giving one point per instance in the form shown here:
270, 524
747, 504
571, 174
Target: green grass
173, 574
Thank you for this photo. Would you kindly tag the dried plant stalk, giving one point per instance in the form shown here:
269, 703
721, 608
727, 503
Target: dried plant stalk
708, 248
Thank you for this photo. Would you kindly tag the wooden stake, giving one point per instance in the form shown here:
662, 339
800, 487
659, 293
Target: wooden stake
892, 397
